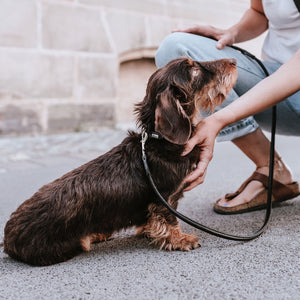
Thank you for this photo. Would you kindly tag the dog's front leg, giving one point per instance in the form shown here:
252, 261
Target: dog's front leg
164, 229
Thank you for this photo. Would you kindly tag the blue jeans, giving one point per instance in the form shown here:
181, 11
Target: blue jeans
249, 74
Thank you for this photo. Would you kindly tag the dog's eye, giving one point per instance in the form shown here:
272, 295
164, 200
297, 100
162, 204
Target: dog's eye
195, 72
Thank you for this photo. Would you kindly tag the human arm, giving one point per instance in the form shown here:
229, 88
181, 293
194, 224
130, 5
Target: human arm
267, 93
252, 24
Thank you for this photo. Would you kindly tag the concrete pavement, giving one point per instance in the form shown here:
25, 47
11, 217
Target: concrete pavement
128, 267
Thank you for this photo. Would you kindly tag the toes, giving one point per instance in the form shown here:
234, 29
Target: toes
182, 243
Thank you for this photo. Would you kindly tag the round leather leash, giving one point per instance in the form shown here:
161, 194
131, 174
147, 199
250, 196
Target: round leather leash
270, 184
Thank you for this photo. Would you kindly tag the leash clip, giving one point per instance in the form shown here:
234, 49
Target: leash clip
144, 157
144, 139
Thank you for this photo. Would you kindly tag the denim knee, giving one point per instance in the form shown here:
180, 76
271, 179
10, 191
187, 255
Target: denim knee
172, 47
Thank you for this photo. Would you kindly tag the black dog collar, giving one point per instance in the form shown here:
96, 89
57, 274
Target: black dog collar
155, 135
151, 134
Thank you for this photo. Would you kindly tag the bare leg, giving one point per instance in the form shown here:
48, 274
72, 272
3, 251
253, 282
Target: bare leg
256, 146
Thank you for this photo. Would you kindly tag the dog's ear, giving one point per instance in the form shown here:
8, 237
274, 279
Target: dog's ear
171, 121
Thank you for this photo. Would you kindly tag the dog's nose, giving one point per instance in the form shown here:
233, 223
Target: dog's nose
233, 61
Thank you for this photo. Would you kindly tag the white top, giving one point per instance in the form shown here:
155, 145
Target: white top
283, 38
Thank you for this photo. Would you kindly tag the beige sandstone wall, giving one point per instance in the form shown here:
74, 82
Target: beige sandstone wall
70, 65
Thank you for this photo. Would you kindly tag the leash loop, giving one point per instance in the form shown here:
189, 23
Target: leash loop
144, 139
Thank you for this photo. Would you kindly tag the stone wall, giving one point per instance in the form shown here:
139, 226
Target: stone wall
61, 60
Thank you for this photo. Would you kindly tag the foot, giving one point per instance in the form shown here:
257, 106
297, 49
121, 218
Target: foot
171, 238
99, 237
181, 241
281, 174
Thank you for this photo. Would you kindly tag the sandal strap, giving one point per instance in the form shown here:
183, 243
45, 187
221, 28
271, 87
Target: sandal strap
230, 196
280, 191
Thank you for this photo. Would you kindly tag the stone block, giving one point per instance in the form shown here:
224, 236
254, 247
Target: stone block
97, 77
145, 6
128, 30
20, 119
77, 117
189, 10
34, 75
159, 28
73, 28
18, 23
133, 78
221, 13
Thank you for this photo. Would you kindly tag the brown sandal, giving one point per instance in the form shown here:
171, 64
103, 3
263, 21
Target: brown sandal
281, 192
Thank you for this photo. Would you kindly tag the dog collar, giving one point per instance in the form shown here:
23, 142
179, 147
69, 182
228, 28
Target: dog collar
144, 139
155, 135
151, 134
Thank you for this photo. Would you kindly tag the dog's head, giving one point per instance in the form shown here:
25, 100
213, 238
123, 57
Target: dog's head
179, 90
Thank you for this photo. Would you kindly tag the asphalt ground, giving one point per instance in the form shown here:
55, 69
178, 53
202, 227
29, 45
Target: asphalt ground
127, 267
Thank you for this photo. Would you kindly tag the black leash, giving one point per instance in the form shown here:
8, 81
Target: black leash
270, 187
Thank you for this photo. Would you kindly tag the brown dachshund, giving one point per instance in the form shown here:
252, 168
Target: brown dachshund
112, 192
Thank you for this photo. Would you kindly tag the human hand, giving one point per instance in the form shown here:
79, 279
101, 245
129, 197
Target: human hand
204, 138
223, 37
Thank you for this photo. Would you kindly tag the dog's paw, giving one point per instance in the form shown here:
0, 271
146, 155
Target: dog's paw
99, 237
182, 242
93, 238
140, 232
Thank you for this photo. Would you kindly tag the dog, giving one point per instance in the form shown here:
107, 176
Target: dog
112, 192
